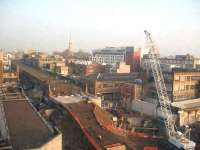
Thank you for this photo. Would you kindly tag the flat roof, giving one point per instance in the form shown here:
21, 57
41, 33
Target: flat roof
114, 77
187, 104
26, 128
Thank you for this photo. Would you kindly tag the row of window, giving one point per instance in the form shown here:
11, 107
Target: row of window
182, 78
184, 87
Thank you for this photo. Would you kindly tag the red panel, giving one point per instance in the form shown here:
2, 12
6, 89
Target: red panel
136, 59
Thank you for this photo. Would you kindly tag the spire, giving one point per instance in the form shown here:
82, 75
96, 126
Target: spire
70, 48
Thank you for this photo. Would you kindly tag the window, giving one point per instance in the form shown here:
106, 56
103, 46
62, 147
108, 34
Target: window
192, 87
187, 87
176, 78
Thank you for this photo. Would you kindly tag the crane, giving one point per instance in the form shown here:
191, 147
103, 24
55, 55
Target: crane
174, 137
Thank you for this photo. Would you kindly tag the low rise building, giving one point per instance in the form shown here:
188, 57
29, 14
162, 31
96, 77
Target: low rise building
83, 69
42, 60
108, 85
188, 111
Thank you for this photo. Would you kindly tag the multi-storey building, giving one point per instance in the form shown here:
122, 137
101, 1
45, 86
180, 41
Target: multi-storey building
179, 61
181, 84
113, 55
6, 59
42, 60
185, 84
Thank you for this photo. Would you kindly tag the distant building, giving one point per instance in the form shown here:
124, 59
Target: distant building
93, 69
123, 68
63, 70
136, 63
179, 61
113, 55
85, 69
1, 67
18, 54
6, 58
43, 60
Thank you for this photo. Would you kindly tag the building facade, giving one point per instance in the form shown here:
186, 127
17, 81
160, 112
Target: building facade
179, 61
113, 55
185, 84
108, 85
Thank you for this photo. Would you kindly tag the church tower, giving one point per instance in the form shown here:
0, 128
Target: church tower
70, 49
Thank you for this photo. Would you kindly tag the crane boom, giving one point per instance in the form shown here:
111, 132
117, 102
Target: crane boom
175, 137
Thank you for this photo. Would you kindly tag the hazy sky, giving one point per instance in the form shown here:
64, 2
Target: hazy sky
45, 24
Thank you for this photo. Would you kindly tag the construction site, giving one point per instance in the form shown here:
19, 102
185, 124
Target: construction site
69, 118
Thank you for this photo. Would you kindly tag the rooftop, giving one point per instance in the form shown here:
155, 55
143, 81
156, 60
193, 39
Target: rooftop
114, 76
187, 104
26, 128
185, 70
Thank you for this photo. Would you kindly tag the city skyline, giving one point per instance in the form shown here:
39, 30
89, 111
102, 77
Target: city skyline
45, 25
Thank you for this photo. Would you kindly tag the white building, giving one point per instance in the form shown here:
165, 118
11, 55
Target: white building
109, 55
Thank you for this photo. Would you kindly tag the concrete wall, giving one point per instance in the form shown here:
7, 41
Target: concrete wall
147, 108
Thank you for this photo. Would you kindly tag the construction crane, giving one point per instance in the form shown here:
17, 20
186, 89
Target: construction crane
174, 137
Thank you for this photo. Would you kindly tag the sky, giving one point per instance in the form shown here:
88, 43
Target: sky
45, 24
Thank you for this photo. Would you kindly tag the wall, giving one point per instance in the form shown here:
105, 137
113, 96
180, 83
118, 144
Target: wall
130, 92
188, 116
185, 85
123, 68
144, 108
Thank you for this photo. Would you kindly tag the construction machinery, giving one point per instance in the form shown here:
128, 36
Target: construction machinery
175, 137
